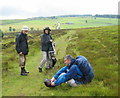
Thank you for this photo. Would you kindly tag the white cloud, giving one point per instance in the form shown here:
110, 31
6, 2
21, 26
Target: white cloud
30, 8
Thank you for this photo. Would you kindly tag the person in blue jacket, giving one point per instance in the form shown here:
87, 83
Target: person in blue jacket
77, 71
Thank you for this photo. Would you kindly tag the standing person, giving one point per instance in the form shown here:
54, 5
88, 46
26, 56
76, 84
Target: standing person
46, 43
22, 49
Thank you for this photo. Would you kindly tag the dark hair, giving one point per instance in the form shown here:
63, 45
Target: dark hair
48, 31
68, 57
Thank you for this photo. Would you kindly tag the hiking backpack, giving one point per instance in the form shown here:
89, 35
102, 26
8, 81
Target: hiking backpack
85, 67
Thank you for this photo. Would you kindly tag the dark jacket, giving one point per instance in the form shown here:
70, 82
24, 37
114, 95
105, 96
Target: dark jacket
22, 44
45, 42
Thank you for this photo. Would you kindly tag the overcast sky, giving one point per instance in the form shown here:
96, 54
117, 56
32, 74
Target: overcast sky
20, 9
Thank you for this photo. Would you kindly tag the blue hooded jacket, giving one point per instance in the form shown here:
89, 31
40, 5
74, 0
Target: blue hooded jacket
77, 69
85, 68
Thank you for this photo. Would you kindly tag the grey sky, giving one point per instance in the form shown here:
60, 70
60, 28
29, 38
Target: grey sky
14, 9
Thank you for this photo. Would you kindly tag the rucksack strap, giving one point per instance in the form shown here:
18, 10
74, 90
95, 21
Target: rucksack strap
71, 63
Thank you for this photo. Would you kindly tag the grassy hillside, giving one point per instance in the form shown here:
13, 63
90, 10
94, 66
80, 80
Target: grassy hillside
66, 23
6, 22
98, 44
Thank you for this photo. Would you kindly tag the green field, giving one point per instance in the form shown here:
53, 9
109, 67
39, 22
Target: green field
76, 22
98, 44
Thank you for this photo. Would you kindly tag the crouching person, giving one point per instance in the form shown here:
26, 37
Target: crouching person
77, 71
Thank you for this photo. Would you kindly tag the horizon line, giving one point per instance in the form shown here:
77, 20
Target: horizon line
57, 16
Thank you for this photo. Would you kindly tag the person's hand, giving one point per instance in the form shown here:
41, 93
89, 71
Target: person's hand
52, 84
20, 53
53, 79
51, 40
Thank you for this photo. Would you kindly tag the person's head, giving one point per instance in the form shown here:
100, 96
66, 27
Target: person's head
47, 30
25, 29
67, 59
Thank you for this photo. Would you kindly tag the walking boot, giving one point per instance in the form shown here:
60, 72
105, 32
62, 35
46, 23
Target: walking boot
40, 69
23, 72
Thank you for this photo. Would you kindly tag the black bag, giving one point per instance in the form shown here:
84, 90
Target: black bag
52, 57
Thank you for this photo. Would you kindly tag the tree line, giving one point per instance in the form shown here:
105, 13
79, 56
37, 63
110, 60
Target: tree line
107, 16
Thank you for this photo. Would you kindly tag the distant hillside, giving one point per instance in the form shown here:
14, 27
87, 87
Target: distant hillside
84, 15
5, 22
